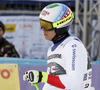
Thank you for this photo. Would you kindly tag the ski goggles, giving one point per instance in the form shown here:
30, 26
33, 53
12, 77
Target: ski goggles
50, 26
47, 25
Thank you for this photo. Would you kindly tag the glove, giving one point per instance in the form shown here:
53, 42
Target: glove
33, 76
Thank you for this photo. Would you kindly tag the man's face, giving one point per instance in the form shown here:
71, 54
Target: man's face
49, 35
1, 33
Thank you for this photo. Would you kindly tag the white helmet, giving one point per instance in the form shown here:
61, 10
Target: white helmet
56, 16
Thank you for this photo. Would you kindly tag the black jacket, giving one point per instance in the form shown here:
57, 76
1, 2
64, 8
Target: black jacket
7, 49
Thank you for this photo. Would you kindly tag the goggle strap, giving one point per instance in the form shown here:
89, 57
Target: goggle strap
65, 20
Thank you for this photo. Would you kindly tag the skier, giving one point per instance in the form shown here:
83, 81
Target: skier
69, 65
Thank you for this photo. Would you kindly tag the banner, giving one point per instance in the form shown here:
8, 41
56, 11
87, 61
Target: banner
9, 77
24, 65
25, 33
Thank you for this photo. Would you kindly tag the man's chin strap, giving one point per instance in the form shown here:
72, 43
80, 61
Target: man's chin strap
58, 38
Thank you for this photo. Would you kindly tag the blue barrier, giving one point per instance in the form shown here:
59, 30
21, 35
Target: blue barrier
95, 62
31, 62
24, 62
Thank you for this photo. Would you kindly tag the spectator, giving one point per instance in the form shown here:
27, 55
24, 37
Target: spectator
6, 48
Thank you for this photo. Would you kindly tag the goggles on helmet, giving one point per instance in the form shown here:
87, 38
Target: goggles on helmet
50, 26
45, 24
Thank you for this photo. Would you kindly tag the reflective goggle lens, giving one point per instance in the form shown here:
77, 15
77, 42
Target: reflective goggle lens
47, 25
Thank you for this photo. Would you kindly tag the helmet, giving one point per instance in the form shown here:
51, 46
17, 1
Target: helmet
56, 16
